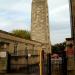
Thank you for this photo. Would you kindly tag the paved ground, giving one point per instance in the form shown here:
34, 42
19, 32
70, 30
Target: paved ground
19, 74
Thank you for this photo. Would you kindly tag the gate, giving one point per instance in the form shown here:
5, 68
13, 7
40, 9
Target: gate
59, 66
54, 66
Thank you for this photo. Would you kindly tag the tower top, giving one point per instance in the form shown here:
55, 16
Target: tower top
38, 0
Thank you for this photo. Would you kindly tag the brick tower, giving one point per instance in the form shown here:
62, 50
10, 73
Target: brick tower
40, 23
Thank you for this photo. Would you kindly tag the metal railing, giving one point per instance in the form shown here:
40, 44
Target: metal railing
24, 61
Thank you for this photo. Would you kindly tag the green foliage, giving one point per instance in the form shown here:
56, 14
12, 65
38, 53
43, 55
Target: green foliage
22, 34
58, 48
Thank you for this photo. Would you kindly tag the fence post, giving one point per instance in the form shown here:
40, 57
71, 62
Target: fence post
41, 62
8, 63
64, 63
48, 64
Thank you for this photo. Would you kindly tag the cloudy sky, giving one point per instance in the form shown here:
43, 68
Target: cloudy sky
16, 14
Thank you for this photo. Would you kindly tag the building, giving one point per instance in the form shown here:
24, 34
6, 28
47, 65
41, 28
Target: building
15, 44
70, 56
72, 5
40, 23
20, 48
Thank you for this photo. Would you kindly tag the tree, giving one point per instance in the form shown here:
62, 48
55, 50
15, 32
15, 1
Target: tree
22, 34
58, 48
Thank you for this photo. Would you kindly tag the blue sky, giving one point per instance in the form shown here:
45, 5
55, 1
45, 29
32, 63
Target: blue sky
16, 14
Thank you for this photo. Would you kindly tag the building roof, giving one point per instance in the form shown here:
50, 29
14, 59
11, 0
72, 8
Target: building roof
68, 39
8, 33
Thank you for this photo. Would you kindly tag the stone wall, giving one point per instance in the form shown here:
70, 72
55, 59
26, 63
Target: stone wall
72, 5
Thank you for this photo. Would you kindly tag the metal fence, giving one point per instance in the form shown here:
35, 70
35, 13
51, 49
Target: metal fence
29, 63
59, 66
56, 65
23, 62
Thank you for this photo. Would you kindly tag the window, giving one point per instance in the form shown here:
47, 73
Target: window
15, 48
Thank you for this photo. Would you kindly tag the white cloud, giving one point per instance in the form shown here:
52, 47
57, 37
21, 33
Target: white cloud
60, 9
60, 35
56, 3
59, 20
17, 14
16, 6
